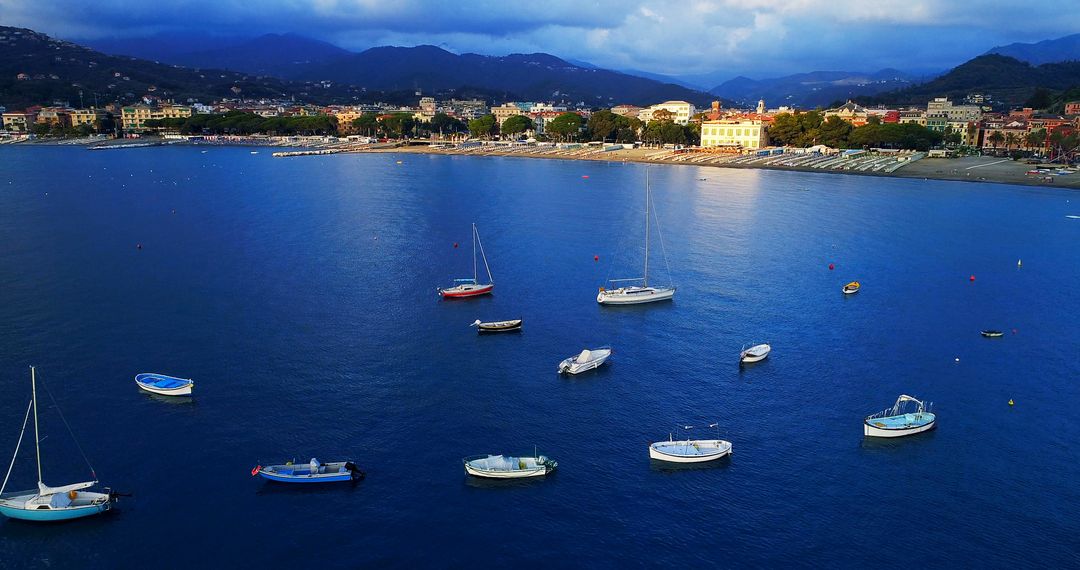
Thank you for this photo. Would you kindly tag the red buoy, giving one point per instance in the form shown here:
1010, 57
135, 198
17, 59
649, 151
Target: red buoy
972, 278
455, 244
596, 258
831, 267
585, 176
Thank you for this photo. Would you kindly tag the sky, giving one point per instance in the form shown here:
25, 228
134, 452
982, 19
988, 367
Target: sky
718, 38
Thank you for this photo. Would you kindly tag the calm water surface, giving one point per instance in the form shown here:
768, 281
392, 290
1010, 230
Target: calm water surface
300, 296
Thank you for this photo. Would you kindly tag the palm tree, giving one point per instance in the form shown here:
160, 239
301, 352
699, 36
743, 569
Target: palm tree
1010, 140
996, 138
1036, 138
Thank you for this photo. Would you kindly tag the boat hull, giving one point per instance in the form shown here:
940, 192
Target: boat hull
635, 295
164, 385
754, 354
870, 430
502, 326
521, 474
465, 292
55, 515
571, 366
703, 451
508, 467
307, 479
334, 472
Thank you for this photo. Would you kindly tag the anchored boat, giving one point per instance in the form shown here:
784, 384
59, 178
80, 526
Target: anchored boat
471, 287
311, 472
508, 467
690, 450
164, 385
991, 333
851, 288
896, 422
497, 326
49, 504
755, 353
643, 293
586, 360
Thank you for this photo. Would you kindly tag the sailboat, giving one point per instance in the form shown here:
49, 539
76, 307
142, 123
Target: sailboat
636, 294
471, 287
47, 503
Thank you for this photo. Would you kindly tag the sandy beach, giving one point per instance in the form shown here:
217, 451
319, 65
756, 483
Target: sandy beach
967, 169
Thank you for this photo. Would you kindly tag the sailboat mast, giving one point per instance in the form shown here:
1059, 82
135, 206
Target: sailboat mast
37, 436
474, 253
487, 267
647, 200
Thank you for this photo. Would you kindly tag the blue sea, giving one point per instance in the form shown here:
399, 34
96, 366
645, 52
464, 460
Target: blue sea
300, 295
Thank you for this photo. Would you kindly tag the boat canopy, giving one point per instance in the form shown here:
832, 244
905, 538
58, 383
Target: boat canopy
469, 280
584, 356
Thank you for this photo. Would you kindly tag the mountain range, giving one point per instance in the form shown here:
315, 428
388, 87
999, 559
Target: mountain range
809, 90
1006, 80
425, 68
1047, 51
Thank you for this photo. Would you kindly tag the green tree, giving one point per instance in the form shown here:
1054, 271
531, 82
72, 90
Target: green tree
1035, 138
834, 132
785, 130
565, 126
517, 124
483, 127
398, 125
603, 125
366, 124
1041, 99
996, 138
1010, 140
443, 123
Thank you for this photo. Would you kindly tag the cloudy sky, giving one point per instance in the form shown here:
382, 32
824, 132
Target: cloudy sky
759, 38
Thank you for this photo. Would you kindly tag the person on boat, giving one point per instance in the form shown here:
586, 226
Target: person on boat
314, 466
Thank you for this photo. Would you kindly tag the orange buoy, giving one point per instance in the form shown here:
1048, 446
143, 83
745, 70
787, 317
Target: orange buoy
831, 267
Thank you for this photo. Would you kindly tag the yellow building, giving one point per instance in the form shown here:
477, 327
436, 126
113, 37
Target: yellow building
134, 117
18, 122
742, 133
92, 117
345, 118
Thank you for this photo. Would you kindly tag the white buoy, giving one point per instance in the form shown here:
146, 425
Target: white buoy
958, 359
1019, 263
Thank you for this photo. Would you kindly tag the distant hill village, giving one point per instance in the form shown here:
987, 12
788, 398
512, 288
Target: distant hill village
941, 124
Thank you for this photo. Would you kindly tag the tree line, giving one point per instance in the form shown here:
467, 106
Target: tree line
812, 128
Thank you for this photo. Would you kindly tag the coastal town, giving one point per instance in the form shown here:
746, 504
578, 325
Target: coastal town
848, 137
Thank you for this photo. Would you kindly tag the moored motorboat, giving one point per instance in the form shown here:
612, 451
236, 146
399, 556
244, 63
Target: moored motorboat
497, 326
310, 472
508, 467
989, 333
50, 504
464, 288
755, 353
851, 288
587, 359
895, 422
690, 450
164, 385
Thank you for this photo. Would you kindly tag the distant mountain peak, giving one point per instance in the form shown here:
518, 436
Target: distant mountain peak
1066, 48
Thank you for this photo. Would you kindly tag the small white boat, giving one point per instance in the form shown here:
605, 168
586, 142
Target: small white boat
895, 422
851, 288
497, 326
164, 385
508, 467
586, 360
755, 353
690, 450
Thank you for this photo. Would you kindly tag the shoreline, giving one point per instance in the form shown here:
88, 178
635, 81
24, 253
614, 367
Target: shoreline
985, 169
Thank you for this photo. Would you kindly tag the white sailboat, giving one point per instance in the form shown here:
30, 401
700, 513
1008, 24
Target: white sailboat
464, 288
637, 294
47, 504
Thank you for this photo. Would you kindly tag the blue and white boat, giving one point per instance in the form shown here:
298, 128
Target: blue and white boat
310, 472
897, 422
164, 385
48, 504
690, 450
